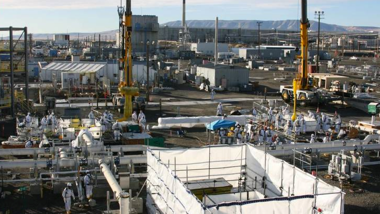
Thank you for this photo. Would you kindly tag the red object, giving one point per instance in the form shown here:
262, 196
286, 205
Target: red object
319, 210
314, 173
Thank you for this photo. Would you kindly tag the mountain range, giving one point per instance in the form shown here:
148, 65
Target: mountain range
292, 25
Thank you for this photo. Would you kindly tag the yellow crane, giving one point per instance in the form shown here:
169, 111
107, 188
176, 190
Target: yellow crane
126, 86
301, 80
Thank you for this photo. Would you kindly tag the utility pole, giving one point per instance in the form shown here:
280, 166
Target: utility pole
121, 11
99, 48
259, 37
147, 71
319, 15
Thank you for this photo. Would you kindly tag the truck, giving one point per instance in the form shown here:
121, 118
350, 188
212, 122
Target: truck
307, 97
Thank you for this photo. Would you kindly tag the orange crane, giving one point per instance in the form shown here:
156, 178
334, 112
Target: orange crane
301, 82
126, 86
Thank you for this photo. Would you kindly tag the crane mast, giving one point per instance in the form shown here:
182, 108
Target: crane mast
126, 86
301, 80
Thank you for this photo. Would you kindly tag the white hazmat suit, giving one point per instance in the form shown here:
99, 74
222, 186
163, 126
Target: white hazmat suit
67, 194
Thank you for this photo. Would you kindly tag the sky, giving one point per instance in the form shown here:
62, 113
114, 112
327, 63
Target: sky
62, 16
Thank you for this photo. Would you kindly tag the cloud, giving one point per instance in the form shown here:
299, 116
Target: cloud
91, 4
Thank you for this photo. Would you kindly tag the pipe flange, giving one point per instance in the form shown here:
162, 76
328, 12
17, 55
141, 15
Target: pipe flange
124, 195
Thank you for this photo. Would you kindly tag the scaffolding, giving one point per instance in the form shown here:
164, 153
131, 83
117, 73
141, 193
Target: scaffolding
260, 183
15, 60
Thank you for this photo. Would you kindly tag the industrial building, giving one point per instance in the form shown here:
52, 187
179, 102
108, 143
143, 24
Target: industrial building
208, 49
145, 28
92, 70
224, 75
268, 53
247, 36
62, 40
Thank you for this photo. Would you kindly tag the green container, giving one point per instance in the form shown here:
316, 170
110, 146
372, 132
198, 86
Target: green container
156, 142
373, 108
134, 128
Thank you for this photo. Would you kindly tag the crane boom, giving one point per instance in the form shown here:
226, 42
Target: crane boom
301, 81
125, 87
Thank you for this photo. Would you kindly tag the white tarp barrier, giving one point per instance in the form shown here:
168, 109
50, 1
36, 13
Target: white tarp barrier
206, 163
287, 189
292, 205
243, 196
189, 122
168, 193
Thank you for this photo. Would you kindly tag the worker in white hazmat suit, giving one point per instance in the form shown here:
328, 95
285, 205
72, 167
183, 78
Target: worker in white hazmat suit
109, 116
285, 110
268, 134
261, 135
297, 126
142, 123
219, 110
289, 128
325, 121
239, 137
342, 133
326, 139
116, 127
28, 120
312, 138
270, 115
319, 124
278, 120
88, 184
338, 123
277, 142
212, 94
53, 121
103, 124
311, 115
134, 117
254, 112
91, 116
141, 115
67, 194
44, 122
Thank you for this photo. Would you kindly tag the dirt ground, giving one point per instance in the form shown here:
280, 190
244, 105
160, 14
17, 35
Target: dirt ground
367, 201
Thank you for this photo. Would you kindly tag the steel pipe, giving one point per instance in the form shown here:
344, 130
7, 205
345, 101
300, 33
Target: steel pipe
30, 163
277, 153
39, 151
122, 196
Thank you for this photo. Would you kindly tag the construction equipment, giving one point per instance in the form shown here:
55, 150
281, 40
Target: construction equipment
341, 167
125, 86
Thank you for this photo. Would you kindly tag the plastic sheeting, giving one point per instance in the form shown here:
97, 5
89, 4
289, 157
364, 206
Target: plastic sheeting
243, 196
167, 191
288, 189
206, 163
292, 205
189, 122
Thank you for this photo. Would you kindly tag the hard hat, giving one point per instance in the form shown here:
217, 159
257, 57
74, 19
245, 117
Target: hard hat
87, 171
312, 135
69, 184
